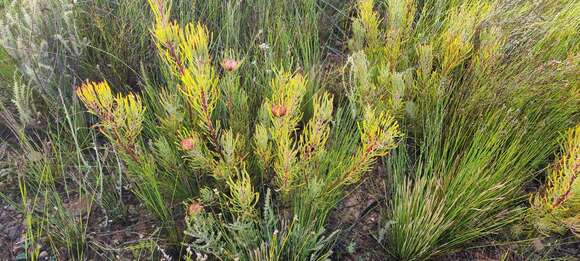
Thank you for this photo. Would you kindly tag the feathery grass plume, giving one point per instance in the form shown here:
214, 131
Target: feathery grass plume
473, 144
557, 207
43, 39
24, 102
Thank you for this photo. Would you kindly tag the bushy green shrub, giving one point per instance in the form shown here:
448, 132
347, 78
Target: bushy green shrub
203, 134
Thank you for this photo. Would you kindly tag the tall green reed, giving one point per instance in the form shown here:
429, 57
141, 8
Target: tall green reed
478, 126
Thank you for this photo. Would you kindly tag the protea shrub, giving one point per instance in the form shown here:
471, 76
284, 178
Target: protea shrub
258, 183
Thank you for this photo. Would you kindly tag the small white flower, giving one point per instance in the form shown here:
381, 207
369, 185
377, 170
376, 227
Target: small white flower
264, 46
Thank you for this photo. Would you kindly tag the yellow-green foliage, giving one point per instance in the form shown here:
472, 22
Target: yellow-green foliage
378, 60
121, 116
378, 133
285, 114
186, 51
97, 97
557, 207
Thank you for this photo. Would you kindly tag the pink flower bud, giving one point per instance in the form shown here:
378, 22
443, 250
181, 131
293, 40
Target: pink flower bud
230, 65
194, 208
279, 110
187, 144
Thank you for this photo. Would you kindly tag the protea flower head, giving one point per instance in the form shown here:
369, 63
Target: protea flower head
194, 208
187, 144
230, 65
279, 110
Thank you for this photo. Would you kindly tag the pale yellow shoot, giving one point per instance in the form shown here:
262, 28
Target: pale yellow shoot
97, 97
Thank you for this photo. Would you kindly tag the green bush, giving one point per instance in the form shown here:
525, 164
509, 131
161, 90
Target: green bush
230, 154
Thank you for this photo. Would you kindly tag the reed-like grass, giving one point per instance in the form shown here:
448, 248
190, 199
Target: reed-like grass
483, 104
